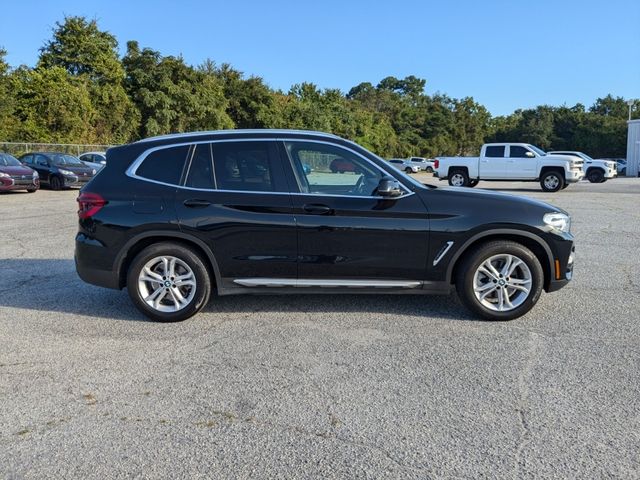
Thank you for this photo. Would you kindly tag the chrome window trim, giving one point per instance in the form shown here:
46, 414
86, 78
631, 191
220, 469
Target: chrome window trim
132, 169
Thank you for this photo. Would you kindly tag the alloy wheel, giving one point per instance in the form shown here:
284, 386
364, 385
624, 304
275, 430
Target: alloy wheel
167, 284
502, 282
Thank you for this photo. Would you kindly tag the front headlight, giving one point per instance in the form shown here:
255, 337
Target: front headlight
65, 172
93, 172
2, 174
559, 222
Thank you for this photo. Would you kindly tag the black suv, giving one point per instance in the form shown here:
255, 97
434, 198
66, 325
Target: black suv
59, 170
261, 211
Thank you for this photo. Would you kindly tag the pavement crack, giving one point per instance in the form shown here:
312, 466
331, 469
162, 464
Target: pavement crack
523, 407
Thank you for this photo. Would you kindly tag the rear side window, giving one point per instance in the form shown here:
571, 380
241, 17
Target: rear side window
494, 151
200, 174
243, 166
164, 165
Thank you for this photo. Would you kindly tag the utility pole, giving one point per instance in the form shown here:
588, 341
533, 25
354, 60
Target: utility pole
630, 103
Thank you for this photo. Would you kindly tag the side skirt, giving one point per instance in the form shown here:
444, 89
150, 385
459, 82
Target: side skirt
281, 286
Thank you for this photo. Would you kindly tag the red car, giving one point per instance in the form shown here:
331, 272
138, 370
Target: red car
340, 165
15, 176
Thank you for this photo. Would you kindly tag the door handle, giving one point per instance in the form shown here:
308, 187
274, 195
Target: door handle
317, 209
196, 203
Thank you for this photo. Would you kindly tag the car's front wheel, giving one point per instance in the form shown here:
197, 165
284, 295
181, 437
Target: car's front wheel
168, 282
56, 183
500, 280
552, 181
595, 175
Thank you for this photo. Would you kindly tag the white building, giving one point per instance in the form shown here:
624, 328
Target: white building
633, 148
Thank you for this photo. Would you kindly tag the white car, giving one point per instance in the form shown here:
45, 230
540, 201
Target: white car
405, 165
512, 161
425, 164
95, 160
596, 171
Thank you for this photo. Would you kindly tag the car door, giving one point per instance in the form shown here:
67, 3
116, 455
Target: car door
345, 230
42, 166
522, 163
234, 197
494, 165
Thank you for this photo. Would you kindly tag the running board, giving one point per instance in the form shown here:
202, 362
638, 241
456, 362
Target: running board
303, 283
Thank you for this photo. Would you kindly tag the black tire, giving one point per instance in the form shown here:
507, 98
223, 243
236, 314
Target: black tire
595, 175
56, 183
408, 170
429, 170
31, 190
334, 170
552, 181
471, 262
565, 186
455, 175
183, 253
473, 183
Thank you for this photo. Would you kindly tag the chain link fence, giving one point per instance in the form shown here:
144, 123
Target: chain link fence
20, 148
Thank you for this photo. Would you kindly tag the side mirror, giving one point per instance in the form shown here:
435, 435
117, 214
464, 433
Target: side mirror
103, 162
529, 155
389, 187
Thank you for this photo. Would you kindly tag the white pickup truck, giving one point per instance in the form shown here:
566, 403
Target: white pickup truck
511, 161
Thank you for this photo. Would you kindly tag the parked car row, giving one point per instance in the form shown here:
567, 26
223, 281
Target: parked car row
54, 169
413, 164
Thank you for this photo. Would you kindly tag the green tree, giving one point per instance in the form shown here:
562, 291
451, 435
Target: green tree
172, 96
91, 55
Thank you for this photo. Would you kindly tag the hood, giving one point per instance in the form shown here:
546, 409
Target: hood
17, 170
82, 170
492, 199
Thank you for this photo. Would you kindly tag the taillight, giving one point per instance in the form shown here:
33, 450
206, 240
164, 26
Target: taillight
436, 163
89, 204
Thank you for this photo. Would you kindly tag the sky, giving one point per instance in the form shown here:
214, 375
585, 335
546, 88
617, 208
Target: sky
505, 54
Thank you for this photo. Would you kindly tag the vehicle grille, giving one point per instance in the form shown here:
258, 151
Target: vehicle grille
22, 179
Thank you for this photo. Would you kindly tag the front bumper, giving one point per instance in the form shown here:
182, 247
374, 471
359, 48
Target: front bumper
573, 176
76, 181
10, 183
563, 263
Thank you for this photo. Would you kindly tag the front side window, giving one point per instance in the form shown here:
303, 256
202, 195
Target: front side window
164, 165
28, 159
494, 151
516, 151
329, 169
243, 166
61, 160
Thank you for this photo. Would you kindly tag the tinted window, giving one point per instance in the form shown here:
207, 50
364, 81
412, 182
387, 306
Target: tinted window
323, 168
494, 151
243, 166
164, 165
42, 160
516, 151
200, 174
27, 159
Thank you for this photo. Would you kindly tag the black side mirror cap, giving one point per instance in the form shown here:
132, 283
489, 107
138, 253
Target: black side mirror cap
389, 187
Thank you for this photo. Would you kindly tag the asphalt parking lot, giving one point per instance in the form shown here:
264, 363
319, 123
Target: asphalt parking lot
319, 386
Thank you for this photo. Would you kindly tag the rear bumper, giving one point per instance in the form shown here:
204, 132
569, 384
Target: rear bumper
93, 263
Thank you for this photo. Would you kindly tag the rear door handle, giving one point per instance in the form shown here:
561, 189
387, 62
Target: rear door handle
196, 203
317, 209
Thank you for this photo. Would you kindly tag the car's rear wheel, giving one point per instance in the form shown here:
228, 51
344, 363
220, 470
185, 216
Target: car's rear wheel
55, 183
500, 280
168, 282
595, 175
429, 170
552, 181
458, 178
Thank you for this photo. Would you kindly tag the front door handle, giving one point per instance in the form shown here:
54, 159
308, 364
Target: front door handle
317, 209
196, 203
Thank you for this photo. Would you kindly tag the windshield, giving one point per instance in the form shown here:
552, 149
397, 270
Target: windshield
7, 160
537, 150
62, 159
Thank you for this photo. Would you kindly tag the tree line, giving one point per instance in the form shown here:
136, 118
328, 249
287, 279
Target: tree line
82, 91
